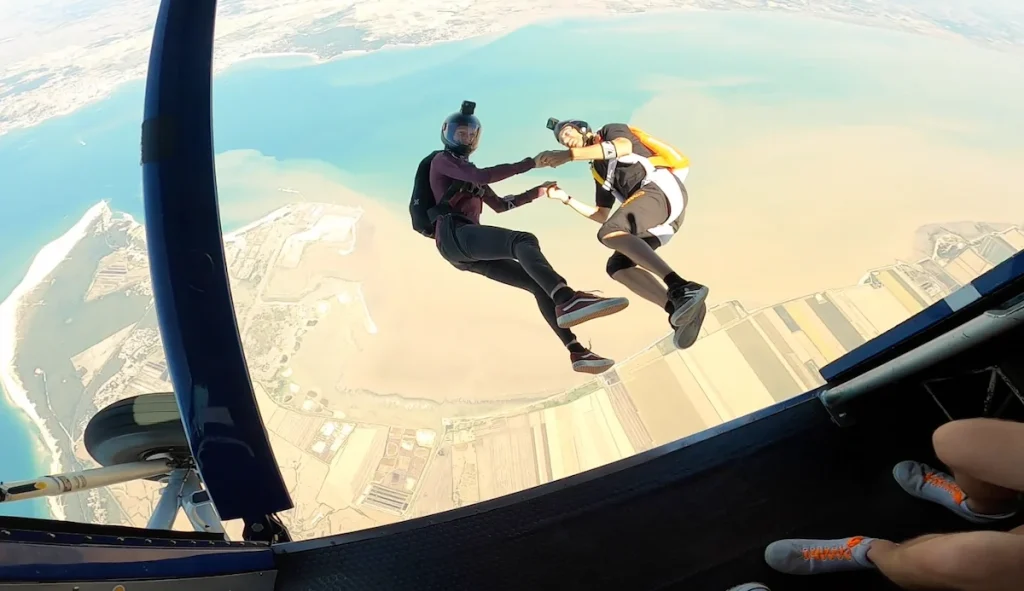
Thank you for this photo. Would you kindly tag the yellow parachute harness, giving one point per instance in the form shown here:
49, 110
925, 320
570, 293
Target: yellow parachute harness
665, 156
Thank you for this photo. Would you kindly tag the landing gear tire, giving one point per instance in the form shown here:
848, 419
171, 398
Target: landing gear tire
136, 429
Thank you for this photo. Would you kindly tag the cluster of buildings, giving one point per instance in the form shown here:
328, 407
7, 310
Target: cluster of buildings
356, 475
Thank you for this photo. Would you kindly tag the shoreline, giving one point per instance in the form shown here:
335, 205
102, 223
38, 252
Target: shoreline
314, 59
228, 236
924, 28
44, 263
274, 214
45, 447
218, 70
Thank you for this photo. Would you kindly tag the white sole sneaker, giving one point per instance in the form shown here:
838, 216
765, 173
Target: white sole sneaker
681, 316
686, 335
588, 312
592, 366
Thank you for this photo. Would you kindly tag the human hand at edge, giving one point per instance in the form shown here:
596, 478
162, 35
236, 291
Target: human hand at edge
552, 158
543, 188
560, 157
557, 194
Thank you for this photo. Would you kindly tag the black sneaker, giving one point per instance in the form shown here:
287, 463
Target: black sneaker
584, 306
685, 336
686, 300
590, 362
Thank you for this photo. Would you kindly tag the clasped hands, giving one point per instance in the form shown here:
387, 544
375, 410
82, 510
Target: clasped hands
551, 190
552, 158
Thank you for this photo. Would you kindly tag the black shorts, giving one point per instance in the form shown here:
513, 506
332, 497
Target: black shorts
646, 209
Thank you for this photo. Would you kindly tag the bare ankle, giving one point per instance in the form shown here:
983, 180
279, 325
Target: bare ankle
992, 506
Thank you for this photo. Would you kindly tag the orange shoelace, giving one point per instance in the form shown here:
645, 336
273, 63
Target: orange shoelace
940, 481
844, 552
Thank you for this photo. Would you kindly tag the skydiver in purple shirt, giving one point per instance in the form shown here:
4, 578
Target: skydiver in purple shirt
508, 256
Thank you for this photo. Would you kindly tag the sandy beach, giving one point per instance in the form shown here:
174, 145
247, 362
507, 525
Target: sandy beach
43, 264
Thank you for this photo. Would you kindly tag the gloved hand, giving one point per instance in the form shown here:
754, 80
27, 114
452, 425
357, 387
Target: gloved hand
543, 189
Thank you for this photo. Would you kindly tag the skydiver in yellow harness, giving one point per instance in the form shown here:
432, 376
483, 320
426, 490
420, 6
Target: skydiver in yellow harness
646, 177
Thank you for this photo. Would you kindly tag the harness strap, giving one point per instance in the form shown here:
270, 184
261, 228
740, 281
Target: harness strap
606, 182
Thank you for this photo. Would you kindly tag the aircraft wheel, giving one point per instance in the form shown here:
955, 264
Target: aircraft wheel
137, 428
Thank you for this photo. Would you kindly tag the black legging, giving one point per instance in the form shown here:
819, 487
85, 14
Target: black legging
506, 256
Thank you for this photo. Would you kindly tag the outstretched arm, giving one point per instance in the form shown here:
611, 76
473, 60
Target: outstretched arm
464, 170
503, 204
615, 143
605, 150
598, 213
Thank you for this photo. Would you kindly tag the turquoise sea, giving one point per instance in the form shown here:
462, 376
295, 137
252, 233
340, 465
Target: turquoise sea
373, 116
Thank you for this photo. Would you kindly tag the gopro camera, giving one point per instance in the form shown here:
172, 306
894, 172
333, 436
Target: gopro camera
552, 123
468, 107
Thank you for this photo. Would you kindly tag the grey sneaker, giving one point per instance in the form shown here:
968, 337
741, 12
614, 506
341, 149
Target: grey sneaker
686, 335
686, 300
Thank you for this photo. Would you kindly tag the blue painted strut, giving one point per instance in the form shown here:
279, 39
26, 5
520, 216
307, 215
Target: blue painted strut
190, 281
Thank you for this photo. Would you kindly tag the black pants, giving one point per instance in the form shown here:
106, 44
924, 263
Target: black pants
646, 208
506, 256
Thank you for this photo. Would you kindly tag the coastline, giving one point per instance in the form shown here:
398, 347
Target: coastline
915, 26
19, 305
44, 263
218, 69
273, 215
48, 258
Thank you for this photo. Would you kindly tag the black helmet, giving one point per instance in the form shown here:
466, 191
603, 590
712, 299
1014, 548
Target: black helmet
461, 131
557, 126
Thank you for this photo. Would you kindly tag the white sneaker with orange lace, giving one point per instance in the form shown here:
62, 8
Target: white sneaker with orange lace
814, 557
924, 482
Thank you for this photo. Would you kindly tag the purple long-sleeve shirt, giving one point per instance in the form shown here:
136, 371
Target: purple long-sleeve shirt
447, 168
